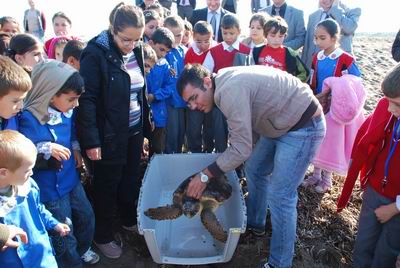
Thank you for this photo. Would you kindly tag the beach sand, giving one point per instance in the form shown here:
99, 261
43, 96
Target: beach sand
325, 238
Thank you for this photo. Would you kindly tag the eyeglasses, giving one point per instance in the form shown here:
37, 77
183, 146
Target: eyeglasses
191, 100
126, 42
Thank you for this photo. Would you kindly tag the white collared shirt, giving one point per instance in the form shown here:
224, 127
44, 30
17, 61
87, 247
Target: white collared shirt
263, 4
209, 63
334, 55
55, 116
218, 20
182, 3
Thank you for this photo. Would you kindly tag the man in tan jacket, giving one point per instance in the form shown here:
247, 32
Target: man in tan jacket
264, 102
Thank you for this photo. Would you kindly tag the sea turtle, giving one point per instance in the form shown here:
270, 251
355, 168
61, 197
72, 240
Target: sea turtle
217, 191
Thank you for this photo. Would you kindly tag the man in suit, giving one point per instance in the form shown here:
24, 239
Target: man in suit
185, 8
256, 5
347, 18
295, 20
230, 5
213, 14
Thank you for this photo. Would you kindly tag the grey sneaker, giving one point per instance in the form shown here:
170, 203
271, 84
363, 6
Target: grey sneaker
90, 257
110, 250
133, 228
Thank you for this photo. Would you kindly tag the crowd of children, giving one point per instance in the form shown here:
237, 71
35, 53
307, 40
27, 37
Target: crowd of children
126, 76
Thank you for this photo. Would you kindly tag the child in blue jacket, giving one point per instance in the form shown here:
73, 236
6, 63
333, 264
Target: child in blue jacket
14, 85
176, 105
47, 121
20, 205
160, 86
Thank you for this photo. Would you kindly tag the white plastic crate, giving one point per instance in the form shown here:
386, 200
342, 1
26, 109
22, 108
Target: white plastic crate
185, 240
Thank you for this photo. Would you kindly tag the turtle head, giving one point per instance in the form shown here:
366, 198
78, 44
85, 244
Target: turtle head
190, 207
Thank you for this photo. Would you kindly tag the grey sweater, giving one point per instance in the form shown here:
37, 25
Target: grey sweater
257, 101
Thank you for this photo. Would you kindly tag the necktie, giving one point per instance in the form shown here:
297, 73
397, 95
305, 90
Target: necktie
213, 22
277, 11
325, 15
230, 48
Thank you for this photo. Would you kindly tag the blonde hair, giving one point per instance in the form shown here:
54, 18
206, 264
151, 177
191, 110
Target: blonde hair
14, 149
12, 77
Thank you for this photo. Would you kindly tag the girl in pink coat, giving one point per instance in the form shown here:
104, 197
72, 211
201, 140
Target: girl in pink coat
343, 120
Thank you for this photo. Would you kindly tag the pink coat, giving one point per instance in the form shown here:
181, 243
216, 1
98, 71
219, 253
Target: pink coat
342, 122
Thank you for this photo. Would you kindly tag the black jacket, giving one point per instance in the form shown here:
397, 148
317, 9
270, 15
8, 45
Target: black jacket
192, 3
103, 114
396, 48
201, 14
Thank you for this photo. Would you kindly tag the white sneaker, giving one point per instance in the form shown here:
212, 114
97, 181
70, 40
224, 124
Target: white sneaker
90, 257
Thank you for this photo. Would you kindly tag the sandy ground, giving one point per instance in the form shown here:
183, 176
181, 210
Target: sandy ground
325, 239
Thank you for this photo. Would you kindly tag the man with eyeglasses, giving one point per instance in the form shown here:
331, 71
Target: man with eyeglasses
276, 125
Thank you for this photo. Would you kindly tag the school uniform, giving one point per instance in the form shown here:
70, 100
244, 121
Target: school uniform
175, 131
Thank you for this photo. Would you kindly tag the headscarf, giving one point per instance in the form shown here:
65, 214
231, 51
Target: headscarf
47, 79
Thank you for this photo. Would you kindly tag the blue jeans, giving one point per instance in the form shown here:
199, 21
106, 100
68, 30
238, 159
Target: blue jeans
75, 210
274, 171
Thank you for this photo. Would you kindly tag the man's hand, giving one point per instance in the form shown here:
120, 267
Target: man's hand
94, 153
386, 212
62, 228
15, 231
398, 262
60, 152
196, 187
78, 158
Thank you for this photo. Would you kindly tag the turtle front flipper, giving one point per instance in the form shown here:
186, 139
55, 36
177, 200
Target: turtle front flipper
164, 213
212, 224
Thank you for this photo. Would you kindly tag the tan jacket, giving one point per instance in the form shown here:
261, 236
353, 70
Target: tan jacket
257, 100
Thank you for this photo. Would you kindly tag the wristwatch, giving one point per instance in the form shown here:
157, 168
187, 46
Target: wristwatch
203, 177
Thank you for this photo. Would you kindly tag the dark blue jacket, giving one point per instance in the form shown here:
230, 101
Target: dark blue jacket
161, 85
11, 123
103, 114
176, 58
53, 184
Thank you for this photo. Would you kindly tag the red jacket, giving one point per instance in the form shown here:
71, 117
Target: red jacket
369, 154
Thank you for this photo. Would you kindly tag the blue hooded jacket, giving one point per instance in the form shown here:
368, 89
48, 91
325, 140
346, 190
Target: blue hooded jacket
161, 85
175, 58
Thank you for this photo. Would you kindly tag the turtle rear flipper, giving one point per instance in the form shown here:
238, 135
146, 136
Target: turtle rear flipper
212, 224
164, 213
